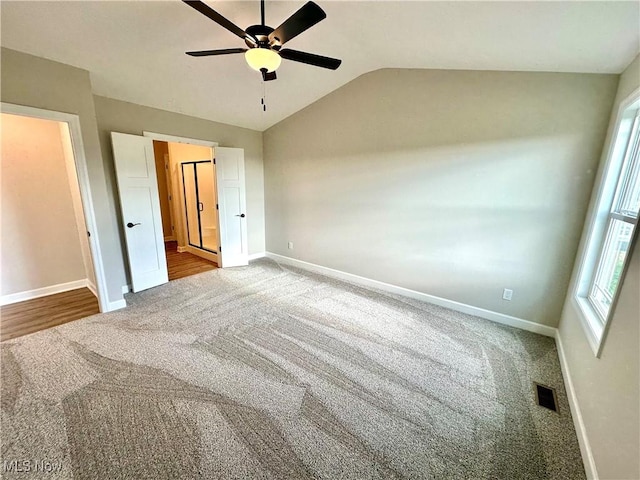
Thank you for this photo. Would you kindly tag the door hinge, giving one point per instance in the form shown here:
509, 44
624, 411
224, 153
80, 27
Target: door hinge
170, 198
214, 161
220, 249
88, 234
217, 207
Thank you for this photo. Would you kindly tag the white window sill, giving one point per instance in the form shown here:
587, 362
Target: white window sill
591, 323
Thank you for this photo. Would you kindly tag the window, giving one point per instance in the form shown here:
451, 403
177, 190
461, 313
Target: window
621, 222
612, 228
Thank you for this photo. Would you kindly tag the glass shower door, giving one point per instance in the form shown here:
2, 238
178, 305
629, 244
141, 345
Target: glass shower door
208, 213
200, 204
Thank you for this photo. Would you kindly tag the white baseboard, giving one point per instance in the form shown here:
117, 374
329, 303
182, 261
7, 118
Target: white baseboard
117, 305
443, 302
43, 292
255, 256
126, 289
92, 287
576, 414
212, 257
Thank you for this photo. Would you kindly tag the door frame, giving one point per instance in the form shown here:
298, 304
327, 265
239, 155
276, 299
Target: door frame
82, 174
168, 181
172, 138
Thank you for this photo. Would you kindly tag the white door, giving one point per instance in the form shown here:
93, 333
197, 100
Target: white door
140, 205
232, 206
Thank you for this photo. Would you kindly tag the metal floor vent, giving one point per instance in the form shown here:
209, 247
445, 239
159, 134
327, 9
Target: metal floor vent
546, 397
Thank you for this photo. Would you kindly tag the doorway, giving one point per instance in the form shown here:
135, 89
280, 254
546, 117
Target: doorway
185, 175
51, 273
137, 179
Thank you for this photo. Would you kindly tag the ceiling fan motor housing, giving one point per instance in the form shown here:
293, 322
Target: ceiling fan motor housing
261, 34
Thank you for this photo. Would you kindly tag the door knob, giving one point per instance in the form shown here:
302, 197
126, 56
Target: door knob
242, 215
131, 225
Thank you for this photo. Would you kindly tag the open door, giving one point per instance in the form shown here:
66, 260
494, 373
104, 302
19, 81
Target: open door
140, 205
232, 205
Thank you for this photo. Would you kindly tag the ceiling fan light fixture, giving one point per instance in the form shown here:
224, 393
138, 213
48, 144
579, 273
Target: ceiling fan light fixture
263, 58
265, 54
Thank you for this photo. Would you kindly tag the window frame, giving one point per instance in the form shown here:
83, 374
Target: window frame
607, 188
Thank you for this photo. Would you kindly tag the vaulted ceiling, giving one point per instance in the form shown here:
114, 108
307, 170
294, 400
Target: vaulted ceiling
135, 49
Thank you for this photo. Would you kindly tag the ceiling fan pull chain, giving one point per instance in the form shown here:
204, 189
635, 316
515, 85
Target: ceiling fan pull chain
264, 97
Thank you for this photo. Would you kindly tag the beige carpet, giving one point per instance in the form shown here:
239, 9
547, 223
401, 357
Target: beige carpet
268, 372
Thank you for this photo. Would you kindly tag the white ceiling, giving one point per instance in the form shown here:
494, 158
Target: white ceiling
135, 49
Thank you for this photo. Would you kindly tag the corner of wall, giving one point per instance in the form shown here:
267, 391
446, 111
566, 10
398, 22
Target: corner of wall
576, 414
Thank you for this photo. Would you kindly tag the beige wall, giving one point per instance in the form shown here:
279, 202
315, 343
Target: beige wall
160, 149
453, 183
118, 116
608, 388
37, 82
40, 244
184, 152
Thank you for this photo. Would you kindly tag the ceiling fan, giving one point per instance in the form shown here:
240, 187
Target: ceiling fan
265, 52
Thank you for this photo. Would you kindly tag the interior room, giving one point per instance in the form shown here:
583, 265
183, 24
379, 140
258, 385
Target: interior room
313, 246
45, 250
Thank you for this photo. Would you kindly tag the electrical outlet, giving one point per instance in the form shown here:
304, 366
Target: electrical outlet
507, 294
290, 245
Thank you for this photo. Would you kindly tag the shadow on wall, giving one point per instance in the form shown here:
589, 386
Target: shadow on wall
455, 184
459, 222
393, 110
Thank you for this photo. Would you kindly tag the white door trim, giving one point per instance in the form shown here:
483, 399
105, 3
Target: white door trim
83, 181
172, 138
169, 182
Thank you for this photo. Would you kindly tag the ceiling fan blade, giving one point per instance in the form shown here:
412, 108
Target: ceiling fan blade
268, 76
219, 19
305, 18
223, 51
310, 58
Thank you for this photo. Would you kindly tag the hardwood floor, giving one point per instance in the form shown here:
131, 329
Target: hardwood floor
45, 312
185, 264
